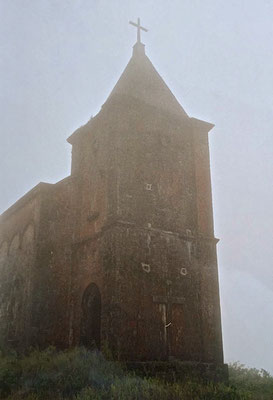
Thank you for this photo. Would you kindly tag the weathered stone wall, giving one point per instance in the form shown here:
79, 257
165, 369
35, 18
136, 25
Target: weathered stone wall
18, 245
207, 257
201, 160
153, 186
134, 286
144, 280
52, 272
156, 183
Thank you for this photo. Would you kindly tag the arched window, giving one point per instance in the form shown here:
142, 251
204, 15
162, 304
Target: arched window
15, 243
91, 317
3, 253
3, 250
28, 237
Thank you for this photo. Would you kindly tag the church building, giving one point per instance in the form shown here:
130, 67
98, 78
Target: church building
122, 252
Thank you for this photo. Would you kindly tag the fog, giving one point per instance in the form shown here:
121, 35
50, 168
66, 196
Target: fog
59, 61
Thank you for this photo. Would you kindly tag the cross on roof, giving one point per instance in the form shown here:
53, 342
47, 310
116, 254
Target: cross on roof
139, 28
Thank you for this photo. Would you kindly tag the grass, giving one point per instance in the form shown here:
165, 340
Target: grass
79, 374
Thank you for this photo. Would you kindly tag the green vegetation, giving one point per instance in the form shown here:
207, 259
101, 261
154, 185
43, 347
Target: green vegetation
259, 383
79, 374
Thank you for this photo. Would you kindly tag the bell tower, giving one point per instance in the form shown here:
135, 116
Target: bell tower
144, 230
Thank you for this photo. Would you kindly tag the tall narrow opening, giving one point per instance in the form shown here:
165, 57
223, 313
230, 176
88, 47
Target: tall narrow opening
91, 317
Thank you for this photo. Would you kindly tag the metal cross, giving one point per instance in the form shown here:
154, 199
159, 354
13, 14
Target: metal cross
139, 28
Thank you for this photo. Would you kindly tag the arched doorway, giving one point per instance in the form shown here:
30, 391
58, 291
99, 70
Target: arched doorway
91, 317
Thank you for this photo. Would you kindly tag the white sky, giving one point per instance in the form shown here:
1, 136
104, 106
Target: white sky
59, 61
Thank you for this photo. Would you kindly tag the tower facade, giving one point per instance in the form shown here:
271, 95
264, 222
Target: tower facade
123, 252
149, 176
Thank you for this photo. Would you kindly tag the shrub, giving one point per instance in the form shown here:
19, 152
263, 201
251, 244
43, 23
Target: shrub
66, 373
10, 373
258, 382
80, 374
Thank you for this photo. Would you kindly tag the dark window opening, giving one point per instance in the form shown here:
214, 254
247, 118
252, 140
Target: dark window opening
91, 317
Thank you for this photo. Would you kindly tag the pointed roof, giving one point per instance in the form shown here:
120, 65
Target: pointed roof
140, 80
